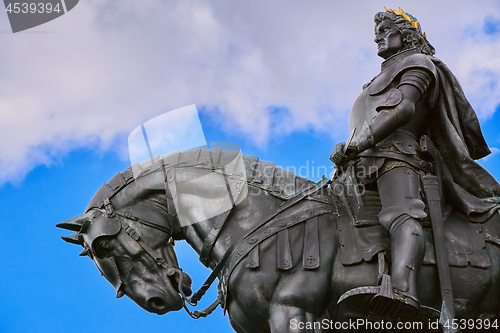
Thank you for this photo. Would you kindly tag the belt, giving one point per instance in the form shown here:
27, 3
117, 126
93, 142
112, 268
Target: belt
419, 164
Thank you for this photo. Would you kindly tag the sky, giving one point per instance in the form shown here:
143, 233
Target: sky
277, 78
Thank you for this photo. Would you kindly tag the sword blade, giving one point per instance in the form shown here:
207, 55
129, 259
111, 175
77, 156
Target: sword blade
349, 140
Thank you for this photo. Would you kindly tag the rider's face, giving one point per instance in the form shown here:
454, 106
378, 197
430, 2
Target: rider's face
388, 38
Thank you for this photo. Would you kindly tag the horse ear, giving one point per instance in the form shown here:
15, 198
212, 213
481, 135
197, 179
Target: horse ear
74, 224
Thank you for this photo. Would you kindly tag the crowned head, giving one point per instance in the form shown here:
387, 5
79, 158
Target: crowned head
396, 31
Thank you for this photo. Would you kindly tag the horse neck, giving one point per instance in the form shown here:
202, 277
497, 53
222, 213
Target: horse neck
200, 196
195, 234
248, 213
198, 187
196, 195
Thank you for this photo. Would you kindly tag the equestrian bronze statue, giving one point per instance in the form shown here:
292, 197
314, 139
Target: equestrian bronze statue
406, 232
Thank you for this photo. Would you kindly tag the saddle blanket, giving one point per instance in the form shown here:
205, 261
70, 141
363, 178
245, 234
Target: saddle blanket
465, 241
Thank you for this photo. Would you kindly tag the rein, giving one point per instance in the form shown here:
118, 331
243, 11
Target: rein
206, 249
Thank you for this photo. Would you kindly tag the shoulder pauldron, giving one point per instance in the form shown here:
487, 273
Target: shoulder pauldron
394, 66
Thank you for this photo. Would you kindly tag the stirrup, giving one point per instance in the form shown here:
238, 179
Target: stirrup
382, 301
407, 305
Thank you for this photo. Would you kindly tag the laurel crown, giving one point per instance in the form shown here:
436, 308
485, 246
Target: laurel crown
401, 12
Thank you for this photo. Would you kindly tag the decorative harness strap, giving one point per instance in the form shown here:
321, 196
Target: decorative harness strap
212, 237
168, 194
272, 227
219, 222
221, 264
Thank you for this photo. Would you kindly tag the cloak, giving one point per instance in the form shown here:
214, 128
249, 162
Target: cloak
457, 135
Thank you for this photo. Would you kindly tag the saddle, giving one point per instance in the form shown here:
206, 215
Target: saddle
362, 237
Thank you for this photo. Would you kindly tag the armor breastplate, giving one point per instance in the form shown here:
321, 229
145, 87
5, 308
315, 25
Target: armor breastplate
382, 93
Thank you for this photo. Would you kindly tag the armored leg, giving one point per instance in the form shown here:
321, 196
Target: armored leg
396, 296
401, 207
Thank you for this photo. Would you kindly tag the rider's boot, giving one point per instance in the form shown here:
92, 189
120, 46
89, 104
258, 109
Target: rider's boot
407, 252
401, 208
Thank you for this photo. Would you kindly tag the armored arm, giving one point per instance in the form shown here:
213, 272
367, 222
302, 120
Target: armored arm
398, 111
412, 87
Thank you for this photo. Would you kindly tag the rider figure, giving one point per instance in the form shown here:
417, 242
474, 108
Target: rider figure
387, 120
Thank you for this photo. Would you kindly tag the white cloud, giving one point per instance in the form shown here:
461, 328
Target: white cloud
494, 152
174, 130
114, 64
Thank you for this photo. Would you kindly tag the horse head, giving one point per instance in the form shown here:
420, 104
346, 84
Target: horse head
130, 226
132, 245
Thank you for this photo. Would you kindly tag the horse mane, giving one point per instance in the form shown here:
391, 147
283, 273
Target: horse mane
277, 181
159, 201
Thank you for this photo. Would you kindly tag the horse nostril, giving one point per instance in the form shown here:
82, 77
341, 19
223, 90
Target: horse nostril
156, 302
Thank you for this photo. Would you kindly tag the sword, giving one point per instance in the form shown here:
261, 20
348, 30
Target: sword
432, 189
348, 142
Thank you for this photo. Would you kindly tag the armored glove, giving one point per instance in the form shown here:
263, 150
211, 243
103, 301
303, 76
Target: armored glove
339, 157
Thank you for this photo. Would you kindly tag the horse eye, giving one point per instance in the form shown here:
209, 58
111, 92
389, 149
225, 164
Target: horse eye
105, 244
102, 246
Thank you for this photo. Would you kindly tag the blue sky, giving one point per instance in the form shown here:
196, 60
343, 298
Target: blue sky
277, 79
48, 288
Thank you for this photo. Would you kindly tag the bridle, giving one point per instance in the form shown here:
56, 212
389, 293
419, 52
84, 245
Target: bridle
167, 264
109, 211
86, 232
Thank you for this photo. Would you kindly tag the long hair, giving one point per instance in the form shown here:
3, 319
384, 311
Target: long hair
412, 37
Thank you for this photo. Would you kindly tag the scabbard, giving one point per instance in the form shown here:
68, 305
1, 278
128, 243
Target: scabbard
433, 196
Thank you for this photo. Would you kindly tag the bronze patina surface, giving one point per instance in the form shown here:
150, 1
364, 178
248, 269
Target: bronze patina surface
407, 229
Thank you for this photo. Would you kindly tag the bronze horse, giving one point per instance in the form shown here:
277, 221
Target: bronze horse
283, 269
